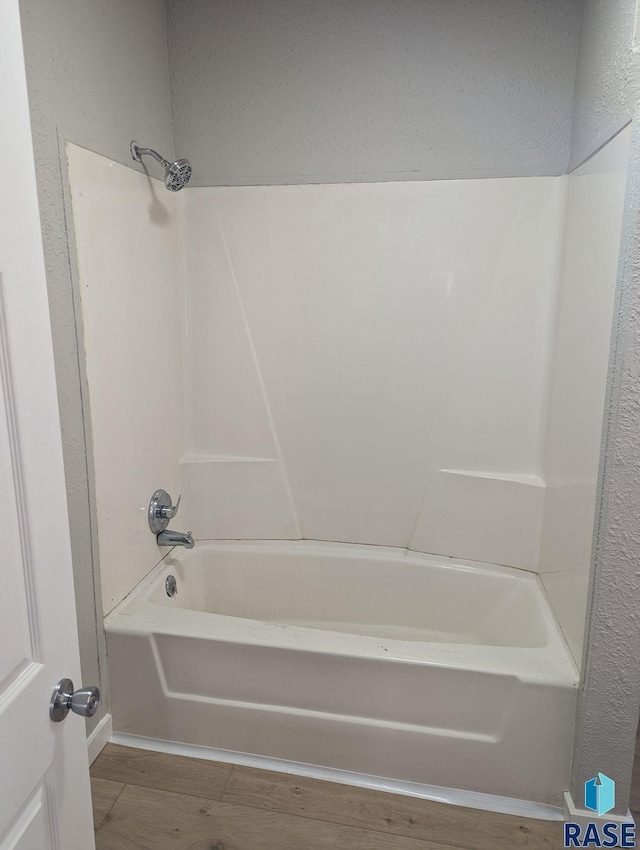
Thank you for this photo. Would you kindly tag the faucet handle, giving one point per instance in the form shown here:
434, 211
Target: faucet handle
169, 511
161, 510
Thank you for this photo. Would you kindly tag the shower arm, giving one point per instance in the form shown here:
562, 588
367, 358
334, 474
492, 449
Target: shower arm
138, 153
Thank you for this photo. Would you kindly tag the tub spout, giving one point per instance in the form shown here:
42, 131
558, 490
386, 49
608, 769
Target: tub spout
175, 538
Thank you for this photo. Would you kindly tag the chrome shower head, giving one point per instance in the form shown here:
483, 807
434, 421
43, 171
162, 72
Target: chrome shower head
176, 174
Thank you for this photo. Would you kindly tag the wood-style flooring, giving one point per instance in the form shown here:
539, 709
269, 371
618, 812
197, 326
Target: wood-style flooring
145, 800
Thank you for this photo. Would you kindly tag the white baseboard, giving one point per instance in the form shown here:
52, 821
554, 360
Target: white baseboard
453, 796
584, 816
99, 738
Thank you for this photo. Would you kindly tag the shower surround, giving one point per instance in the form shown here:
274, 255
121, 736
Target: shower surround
388, 364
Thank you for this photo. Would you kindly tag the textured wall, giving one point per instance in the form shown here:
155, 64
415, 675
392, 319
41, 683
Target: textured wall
604, 85
285, 91
97, 73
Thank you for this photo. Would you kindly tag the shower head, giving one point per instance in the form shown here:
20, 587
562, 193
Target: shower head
176, 174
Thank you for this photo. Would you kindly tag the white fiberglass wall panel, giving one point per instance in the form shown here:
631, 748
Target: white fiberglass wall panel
127, 239
368, 363
593, 227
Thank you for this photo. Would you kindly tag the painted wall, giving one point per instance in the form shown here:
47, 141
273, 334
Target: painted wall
605, 88
593, 225
368, 363
288, 91
97, 72
129, 263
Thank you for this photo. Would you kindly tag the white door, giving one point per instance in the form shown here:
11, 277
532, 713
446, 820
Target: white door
44, 781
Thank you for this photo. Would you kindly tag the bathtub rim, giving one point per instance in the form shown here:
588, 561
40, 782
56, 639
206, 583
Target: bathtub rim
551, 664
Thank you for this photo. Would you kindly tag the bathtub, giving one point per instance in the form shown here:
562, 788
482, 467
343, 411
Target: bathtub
375, 661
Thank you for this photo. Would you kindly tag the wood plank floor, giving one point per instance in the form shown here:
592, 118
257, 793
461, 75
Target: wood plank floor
152, 801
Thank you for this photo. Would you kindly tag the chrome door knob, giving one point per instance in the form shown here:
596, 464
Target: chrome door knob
64, 699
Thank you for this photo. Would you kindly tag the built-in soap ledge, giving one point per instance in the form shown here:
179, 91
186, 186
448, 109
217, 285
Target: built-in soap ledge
517, 477
483, 515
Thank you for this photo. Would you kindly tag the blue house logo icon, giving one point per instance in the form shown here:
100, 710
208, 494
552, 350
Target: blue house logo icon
600, 794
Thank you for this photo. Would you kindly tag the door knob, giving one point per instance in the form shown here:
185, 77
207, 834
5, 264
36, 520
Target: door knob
64, 699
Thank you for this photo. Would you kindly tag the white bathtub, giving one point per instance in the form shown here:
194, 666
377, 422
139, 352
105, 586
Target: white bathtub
371, 660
